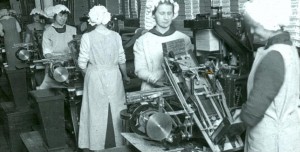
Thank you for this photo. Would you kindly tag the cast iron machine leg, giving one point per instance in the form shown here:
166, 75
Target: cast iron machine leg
73, 103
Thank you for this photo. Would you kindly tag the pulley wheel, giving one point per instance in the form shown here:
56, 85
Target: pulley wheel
60, 74
159, 126
23, 54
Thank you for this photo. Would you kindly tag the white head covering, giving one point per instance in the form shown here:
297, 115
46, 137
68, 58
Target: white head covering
49, 11
99, 15
11, 11
52, 10
150, 6
271, 14
4, 12
37, 11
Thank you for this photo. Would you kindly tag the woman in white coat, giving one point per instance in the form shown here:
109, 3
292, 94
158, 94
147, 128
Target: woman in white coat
101, 58
55, 41
270, 113
148, 51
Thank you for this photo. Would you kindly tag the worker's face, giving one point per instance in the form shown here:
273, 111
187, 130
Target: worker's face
36, 18
163, 15
258, 31
61, 19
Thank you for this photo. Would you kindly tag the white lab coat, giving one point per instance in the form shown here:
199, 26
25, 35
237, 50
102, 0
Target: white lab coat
100, 54
279, 130
56, 44
148, 55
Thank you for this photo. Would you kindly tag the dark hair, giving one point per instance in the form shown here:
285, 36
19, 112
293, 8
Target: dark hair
62, 12
165, 2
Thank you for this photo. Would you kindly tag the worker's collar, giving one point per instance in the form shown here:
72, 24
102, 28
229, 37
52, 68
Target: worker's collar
5, 17
169, 32
282, 38
60, 30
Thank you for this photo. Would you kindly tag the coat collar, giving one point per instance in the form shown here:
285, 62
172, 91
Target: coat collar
168, 33
282, 38
60, 30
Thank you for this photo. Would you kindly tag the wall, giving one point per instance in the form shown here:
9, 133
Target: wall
15, 5
80, 9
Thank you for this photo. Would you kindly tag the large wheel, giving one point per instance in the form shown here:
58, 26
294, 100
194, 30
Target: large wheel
137, 122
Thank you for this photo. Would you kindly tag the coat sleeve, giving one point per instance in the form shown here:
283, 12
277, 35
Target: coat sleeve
84, 52
140, 62
268, 79
122, 58
188, 44
1, 30
47, 42
18, 26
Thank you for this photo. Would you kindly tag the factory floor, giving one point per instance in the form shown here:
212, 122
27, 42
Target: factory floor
3, 143
6, 97
71, 147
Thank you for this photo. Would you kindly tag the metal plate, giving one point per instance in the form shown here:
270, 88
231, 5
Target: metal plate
159, 126
60, 74
23, 54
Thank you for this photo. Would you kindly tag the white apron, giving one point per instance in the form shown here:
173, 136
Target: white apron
279, 130
103, 85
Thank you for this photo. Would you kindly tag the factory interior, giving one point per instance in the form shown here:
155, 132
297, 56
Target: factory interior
191, 110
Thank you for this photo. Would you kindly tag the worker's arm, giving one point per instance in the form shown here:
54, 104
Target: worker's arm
268, 79
1, 30
84, 52
122, 60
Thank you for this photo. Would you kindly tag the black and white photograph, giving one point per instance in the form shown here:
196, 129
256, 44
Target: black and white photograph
149, 75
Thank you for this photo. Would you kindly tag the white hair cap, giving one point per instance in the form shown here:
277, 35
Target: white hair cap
271, 14
49, 11
4, 12
52, 10
152, 4
99, 15
11, 11
37, 11
58, 8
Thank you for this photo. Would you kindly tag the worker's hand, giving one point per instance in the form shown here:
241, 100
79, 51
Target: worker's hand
48, 55
153, 79
159, 84
126, 79
83, 72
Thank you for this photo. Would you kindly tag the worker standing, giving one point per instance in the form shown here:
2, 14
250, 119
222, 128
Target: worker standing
55, 41
103, 60
148, 51
271, 110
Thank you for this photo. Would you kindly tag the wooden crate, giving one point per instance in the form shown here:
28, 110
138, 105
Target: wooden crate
16, 122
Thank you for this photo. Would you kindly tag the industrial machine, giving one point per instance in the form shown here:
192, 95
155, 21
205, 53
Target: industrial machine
224, 41
204, 88
199, 109
64, 70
